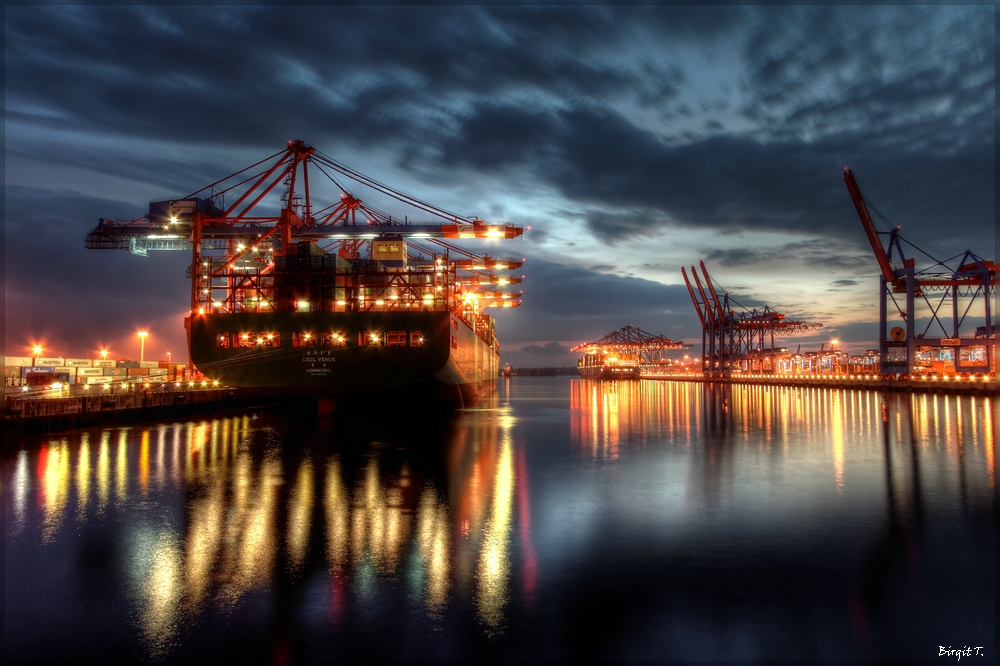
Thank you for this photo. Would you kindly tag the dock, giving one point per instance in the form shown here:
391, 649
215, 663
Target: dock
41, 413
984, 385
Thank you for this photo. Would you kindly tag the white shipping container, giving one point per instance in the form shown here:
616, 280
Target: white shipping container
69, 370
157, 371
156, 379
99, 380
89, 372
18, 360
80, 362
148, 364
105, 363
49, 361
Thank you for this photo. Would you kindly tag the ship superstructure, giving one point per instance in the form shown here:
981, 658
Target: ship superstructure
290, 295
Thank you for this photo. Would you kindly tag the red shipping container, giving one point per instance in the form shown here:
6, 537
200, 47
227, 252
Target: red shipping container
132, 372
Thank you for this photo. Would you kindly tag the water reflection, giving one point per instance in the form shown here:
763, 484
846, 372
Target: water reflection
821, 424
235, 516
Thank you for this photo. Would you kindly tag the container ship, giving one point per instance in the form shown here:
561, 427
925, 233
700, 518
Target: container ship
623, 354
291, 296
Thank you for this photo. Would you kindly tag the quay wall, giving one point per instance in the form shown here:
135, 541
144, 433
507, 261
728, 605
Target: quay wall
48, 414
836, 381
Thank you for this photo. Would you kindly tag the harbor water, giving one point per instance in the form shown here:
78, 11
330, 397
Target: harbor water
558, 519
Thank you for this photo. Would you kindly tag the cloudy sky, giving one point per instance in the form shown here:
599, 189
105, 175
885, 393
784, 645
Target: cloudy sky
632, 140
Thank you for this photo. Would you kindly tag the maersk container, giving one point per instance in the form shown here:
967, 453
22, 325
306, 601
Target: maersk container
79, 362
99, 380
46, 362
105, 363
18, 361
89, 372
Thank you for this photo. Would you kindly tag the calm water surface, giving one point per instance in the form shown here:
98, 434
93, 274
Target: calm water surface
560, 519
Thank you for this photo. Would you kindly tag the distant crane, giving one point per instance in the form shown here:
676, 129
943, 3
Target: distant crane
623, 354
735, 339
632, 341
921, 298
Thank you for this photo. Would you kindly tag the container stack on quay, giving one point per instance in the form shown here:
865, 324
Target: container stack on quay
40, 372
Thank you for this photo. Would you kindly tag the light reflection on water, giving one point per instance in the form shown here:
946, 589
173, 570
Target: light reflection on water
552, 520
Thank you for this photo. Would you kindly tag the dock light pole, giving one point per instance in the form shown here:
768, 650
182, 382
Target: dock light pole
142, 345
104, 354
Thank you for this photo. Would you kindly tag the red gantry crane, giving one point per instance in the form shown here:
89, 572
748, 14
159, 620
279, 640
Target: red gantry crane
241, 228
623, 353
734, 340
940, 305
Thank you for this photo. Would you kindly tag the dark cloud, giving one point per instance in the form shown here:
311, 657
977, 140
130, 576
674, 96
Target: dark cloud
54, 290
628, 121
569, 303
811, 253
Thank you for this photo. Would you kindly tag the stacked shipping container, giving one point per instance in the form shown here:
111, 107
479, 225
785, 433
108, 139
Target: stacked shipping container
28, 371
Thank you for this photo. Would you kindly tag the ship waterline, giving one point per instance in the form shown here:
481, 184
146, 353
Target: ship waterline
345, 353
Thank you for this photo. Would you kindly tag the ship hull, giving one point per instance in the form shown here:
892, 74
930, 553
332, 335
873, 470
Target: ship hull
608, 372
432, 354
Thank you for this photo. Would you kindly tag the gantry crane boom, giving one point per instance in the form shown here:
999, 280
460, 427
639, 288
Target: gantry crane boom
709, 312
254, 235
201, 216
715, 297
866, 221
964, 280
697, 308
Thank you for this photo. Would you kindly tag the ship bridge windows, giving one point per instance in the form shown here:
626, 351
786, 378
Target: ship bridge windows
416, 339
304, 339
246, 339
395, 339
333, 339
223, 340
267, 339
369, 339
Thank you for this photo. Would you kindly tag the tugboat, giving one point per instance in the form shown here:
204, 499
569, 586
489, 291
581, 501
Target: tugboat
508, 371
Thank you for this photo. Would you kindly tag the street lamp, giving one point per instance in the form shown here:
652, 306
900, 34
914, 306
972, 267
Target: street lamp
104, 354
37, 349
168, 358
142, 345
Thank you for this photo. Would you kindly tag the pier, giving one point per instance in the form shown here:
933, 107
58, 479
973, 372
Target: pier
43, 413
984, 385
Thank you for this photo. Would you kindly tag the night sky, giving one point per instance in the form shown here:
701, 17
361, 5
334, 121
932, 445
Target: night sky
632, 140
